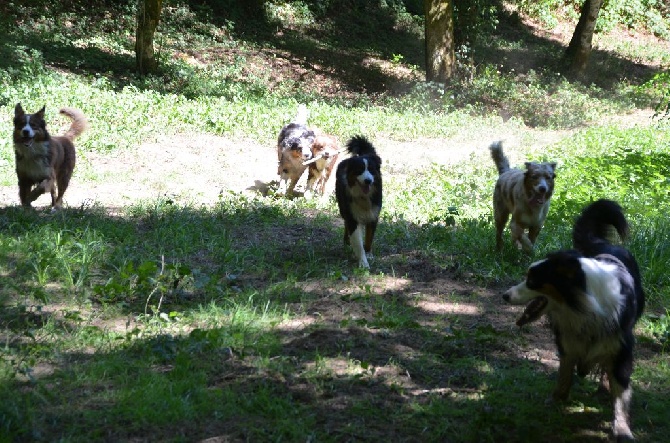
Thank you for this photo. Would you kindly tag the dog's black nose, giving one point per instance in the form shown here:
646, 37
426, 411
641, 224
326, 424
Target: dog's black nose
25, 133
367, 181
506, 297
542, 189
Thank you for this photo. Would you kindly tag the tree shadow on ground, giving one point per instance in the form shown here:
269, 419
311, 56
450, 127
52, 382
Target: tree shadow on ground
349, 50
419, 350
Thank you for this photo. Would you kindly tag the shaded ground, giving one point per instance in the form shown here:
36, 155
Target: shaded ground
445, 315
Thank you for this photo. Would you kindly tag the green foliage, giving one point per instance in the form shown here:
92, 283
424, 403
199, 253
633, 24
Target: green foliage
538, 98
649, 14
474, 20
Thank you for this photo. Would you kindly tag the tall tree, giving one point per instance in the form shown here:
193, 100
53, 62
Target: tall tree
579, 50
148, 15
439, 33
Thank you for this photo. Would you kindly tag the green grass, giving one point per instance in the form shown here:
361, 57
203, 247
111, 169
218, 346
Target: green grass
247, 320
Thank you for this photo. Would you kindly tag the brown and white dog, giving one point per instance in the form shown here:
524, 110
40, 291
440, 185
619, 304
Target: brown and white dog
325, 153
44, 163
523, 194
294, 148
358, 189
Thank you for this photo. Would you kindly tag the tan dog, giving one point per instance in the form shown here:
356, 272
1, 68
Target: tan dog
523, 194
43, 161
325, 152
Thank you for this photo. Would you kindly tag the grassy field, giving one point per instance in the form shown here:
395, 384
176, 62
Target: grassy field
244, 318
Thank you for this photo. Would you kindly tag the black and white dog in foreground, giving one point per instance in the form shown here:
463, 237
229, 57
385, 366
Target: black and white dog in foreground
593, 297
358, 189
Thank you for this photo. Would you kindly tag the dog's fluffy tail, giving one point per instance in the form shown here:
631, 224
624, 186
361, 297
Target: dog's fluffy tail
359, 145
500, 159
301, 116
79, 122
594, 225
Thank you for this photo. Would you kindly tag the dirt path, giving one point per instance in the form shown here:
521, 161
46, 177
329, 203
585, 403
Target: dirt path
196, 168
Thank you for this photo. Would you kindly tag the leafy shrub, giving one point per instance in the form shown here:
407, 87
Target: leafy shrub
538, 98
646, 14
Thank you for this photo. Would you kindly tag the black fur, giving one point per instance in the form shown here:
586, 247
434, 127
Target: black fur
593, 297
591, 236
358, 189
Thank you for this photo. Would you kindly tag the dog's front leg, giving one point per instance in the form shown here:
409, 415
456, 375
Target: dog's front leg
356, 241
519, 237
533, 232
564, 383
41, 188
24, 192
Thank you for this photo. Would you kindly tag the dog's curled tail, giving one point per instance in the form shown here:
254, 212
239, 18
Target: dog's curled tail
359, 145
500, 159
594, 225
79, 122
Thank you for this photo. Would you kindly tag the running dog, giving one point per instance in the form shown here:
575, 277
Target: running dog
44, 163
523, 194
358, 189
593, 297
294, 148
325, 152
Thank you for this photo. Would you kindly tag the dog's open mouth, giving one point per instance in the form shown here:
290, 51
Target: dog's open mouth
532, 311
538, 200
365, 187
27, 140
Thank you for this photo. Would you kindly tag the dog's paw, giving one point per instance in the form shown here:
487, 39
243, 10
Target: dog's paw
622, 431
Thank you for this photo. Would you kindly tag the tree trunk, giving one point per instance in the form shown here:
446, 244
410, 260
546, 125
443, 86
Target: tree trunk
148, 15
579, 50
439, 32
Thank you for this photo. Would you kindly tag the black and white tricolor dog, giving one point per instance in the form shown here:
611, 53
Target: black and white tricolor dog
593, 297
358, 189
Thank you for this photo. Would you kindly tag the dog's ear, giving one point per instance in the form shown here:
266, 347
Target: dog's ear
553, 166
18, 110
40, 113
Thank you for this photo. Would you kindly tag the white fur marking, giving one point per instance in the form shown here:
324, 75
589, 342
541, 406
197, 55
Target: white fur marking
27, 127
602, 287
356, 241
366, 175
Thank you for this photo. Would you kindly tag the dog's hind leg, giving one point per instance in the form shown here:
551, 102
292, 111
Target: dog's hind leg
533, 232
63, 183
370, 229
501, 215
64, 176
621, 404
